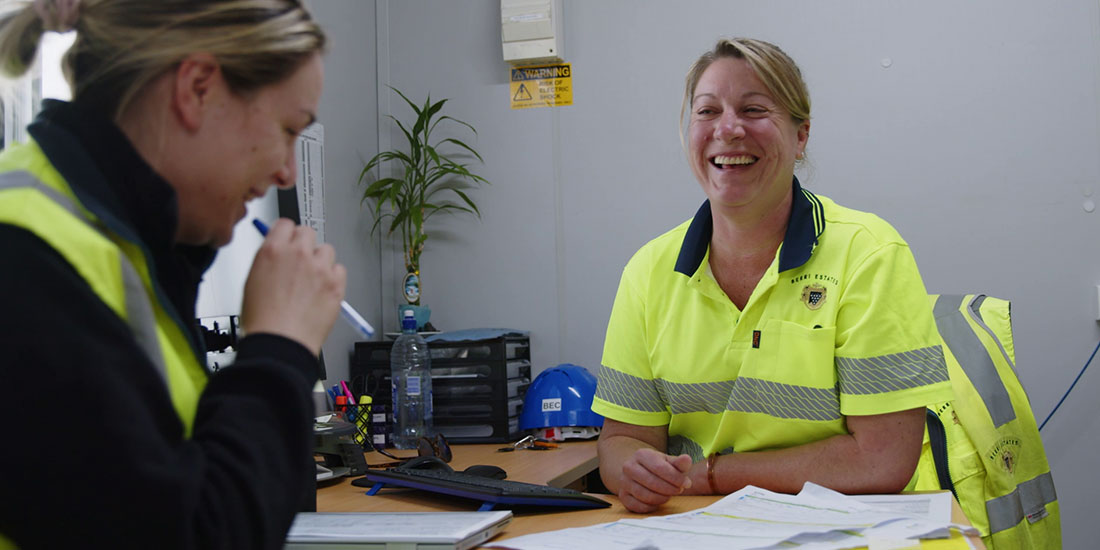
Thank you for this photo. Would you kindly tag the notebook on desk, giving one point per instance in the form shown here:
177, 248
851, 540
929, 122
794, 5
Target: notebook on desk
405, 530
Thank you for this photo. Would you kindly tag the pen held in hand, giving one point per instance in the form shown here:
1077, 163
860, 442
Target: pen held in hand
349, 314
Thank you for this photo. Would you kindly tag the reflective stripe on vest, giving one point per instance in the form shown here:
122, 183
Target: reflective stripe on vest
1027, 499
973, 358
975, 308
139, 311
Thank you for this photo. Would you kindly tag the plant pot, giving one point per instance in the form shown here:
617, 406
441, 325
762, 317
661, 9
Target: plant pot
421, 313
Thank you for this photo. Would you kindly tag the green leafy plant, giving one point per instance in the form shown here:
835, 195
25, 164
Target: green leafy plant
432, 179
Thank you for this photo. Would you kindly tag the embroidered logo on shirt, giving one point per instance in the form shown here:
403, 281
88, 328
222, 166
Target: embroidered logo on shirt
813, 296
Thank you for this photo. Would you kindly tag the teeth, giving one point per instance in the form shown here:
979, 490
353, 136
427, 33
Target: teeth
737, 159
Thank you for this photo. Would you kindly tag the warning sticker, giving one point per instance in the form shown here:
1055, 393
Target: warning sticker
542, 86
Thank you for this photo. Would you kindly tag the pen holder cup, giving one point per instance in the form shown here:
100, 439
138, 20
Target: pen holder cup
361, 417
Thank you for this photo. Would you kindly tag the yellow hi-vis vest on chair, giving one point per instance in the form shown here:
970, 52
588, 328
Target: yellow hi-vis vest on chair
984, 445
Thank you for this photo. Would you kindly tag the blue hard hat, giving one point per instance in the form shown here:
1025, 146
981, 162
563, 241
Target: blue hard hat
560, 396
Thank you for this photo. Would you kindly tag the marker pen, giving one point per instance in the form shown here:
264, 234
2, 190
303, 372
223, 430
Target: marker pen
349, 314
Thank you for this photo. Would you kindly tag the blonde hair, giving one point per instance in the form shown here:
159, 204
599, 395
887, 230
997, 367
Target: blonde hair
776, 70
123, 45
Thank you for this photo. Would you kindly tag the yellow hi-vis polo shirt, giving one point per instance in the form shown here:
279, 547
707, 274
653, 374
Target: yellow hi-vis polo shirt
838, 325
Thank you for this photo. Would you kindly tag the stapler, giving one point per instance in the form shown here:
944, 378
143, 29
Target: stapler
334, 442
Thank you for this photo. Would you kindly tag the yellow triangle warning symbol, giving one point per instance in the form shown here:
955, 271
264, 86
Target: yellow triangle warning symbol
522, 94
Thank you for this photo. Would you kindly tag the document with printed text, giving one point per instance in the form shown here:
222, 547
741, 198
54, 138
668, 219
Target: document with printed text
754, 518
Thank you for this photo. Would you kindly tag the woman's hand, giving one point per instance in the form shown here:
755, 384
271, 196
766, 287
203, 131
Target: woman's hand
634, 466
294, 288
650, 478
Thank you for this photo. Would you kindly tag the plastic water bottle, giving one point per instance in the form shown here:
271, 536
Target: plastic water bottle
411, 373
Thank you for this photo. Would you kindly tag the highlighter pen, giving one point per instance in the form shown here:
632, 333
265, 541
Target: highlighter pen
349, 314
354, 414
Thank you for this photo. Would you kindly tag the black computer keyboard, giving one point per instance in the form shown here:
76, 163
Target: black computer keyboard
490, 491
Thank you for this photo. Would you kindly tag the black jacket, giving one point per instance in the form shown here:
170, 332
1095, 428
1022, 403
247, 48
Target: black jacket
93, 452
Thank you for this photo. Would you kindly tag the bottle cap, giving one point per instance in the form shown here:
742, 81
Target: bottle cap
341, 400
365, 400
408, 320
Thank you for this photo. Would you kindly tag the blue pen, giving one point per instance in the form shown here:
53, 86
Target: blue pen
349, 314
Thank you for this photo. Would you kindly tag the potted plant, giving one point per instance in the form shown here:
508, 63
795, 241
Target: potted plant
429, 178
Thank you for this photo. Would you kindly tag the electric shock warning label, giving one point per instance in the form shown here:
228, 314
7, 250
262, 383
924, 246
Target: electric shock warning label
542, 86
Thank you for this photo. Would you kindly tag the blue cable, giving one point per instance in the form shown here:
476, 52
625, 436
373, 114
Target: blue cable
1071, 386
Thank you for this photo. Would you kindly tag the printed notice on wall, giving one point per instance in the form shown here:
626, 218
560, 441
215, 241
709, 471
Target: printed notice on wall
542, 86
310, 184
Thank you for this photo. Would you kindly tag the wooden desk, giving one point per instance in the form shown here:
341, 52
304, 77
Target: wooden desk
560, 467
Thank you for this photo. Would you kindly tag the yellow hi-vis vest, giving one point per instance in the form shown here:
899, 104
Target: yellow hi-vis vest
984, 445
34, 196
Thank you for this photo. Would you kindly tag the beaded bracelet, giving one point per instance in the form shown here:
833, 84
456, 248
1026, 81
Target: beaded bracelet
710, 473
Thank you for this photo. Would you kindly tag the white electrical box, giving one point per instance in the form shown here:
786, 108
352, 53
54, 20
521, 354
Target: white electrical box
1098, 302
531, 31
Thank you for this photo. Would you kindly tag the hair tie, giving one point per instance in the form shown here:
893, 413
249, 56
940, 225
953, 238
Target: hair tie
57, 15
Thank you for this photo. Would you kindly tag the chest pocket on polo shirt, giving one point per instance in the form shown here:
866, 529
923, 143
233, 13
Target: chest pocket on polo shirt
789, 372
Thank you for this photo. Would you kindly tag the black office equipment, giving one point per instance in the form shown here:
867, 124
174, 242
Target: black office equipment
478, 386
486, 470
341, 456
491, 492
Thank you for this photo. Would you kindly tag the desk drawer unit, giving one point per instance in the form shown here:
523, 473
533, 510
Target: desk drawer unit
477, 386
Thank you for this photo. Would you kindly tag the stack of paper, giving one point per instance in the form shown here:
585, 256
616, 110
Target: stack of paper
753, 518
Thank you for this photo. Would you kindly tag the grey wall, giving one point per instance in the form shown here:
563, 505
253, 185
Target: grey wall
350, 117
979, 142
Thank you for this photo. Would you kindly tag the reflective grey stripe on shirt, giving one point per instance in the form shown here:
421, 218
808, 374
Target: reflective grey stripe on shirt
750, 395
973, 358
784, 400
628, 391
1030, 497
678, 445
139, 310
887, 373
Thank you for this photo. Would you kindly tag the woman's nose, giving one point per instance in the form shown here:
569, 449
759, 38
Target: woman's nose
287, 175
729, 127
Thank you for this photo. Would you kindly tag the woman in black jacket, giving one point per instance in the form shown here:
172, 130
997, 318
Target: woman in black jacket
114, 433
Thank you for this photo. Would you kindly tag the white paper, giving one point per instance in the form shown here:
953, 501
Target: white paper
931, 506
310, 184
754, 518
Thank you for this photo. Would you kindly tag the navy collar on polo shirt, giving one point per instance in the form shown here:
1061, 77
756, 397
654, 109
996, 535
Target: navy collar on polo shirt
805, 225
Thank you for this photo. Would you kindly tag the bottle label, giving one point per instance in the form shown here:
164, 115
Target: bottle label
412, 386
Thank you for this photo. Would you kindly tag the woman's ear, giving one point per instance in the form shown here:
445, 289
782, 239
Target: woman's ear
198, 82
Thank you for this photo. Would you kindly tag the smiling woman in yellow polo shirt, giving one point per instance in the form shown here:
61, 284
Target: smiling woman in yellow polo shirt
776, 337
